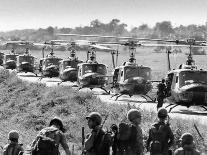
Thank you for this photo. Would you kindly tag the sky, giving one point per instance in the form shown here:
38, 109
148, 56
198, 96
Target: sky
34, 14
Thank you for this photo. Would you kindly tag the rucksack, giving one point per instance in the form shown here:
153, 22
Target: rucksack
156, 145
13, 149
126, 136
45, 143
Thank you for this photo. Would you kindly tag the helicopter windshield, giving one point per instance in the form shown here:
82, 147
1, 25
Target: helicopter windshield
70, 63
144, 72
188, 77
53, 61
26, 58
94, 68
10, 57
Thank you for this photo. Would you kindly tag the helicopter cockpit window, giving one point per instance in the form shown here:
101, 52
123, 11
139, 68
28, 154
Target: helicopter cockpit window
131, 72
189, 77
26, 59
10, 57
98, 68
49, 62
145, 73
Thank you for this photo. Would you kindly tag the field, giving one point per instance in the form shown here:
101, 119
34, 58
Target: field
29, 107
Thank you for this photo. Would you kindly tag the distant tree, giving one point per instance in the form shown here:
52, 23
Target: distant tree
164, 29
50, 30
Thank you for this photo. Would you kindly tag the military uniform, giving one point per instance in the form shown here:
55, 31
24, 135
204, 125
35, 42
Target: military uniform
13, 148
97, 142
132, 115
187, 146
161, 93
160, 134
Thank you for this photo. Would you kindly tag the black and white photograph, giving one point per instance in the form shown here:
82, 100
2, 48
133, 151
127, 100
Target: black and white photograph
103, 77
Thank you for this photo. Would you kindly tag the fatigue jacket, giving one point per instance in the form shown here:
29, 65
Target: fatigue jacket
187, 150
12, 149
139, 147
95, 143
167, 137
59, 138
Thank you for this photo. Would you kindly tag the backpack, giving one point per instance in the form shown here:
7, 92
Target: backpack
126, 137
156, 145
45, 143
13, 149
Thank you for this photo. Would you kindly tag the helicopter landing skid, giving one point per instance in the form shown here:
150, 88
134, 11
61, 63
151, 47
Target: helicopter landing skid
204, 107
173, 106
148, 98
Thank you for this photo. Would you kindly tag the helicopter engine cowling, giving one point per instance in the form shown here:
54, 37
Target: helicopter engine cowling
136, 85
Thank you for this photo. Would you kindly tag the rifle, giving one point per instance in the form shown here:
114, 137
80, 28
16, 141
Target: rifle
83, 139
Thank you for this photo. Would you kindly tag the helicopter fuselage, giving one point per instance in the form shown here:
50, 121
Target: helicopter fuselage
68, 70
132, 80
10, 61
25, 63
92, 75
188, 87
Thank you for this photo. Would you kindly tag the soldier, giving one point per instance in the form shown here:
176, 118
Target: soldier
134, 116
160, 137
55, 131
13, 148
96, 143
187, 146
161, 93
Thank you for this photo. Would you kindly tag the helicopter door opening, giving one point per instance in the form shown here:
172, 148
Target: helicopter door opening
116, 74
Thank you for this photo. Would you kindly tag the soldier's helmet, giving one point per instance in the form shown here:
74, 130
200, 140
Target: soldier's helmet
187, 138
13, 134
162, 113
133, 114
57, 120
95, 116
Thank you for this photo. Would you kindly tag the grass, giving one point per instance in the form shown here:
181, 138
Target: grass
28, 107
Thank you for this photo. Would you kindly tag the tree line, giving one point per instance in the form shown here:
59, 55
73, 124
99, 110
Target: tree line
163, 30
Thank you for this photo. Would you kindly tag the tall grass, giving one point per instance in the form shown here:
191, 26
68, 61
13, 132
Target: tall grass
28, 107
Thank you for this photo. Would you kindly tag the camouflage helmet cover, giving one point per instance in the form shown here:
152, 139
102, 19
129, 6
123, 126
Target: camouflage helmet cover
95, 116
59, 122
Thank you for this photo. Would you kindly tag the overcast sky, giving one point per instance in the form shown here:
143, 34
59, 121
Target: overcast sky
25, 14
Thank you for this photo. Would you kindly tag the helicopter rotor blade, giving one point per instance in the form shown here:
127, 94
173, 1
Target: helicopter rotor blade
115, 37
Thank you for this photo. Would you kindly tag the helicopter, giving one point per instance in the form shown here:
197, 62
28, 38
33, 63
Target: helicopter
10, 60
26, 62
130, 78
68, 67
92, 74
186, 85
49, 65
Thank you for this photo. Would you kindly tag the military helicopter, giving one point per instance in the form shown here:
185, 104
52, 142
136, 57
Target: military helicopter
10, 60
187, 85
49, 65
92, 74
68, 67
130, 78
26, 62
